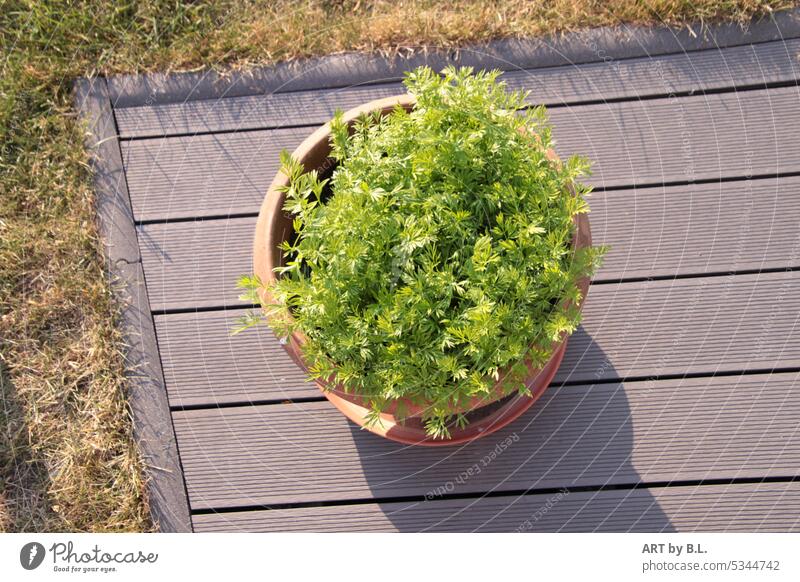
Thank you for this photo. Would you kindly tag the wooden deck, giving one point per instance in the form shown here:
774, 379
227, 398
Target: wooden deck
677, 405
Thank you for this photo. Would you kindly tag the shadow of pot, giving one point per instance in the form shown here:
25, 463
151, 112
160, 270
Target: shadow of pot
485, 414
568, 464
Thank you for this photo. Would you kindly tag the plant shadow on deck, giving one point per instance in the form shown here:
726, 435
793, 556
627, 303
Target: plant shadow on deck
541, 473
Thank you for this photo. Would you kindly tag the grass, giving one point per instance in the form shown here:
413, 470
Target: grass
67, 461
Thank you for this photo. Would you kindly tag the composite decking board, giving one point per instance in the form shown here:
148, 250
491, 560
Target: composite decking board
196, 264
653, 232
598, 435
253, 366
248, 367
713, 69
687, 326
205, 175
698, 228
764, 507
253, 112
685, 139
649, 328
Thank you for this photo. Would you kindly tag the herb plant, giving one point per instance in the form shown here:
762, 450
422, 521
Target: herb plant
438, 257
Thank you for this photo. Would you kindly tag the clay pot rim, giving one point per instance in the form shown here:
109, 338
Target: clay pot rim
392, 429
316, 148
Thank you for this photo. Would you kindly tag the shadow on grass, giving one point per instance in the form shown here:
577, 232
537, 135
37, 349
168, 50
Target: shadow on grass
24, 503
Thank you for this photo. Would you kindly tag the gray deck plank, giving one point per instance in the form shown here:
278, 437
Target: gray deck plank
765, 507
695, 325
686, 72
275, 110
704, 137
205, 175
653, 232
248, 367
604, 434
196, 264
629, 330
687, 326
682, 140
698, 228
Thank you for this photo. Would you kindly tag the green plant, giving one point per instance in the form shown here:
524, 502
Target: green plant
441, 257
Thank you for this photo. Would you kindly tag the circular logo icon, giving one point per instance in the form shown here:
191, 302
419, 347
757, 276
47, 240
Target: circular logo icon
31, 555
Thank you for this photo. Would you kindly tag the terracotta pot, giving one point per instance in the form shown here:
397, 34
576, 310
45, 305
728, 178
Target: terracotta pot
495, 411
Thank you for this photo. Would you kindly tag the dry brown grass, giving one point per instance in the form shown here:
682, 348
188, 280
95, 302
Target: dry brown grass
243, 32
67, 461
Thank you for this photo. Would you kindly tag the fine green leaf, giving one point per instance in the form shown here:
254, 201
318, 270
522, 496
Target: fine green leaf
438, 257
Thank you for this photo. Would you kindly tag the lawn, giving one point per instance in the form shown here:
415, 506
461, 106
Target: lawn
67, 459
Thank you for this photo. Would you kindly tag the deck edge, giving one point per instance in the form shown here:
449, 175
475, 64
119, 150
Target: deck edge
147, 397
346, 69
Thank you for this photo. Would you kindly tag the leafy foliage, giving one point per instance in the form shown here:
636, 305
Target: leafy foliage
442, 258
